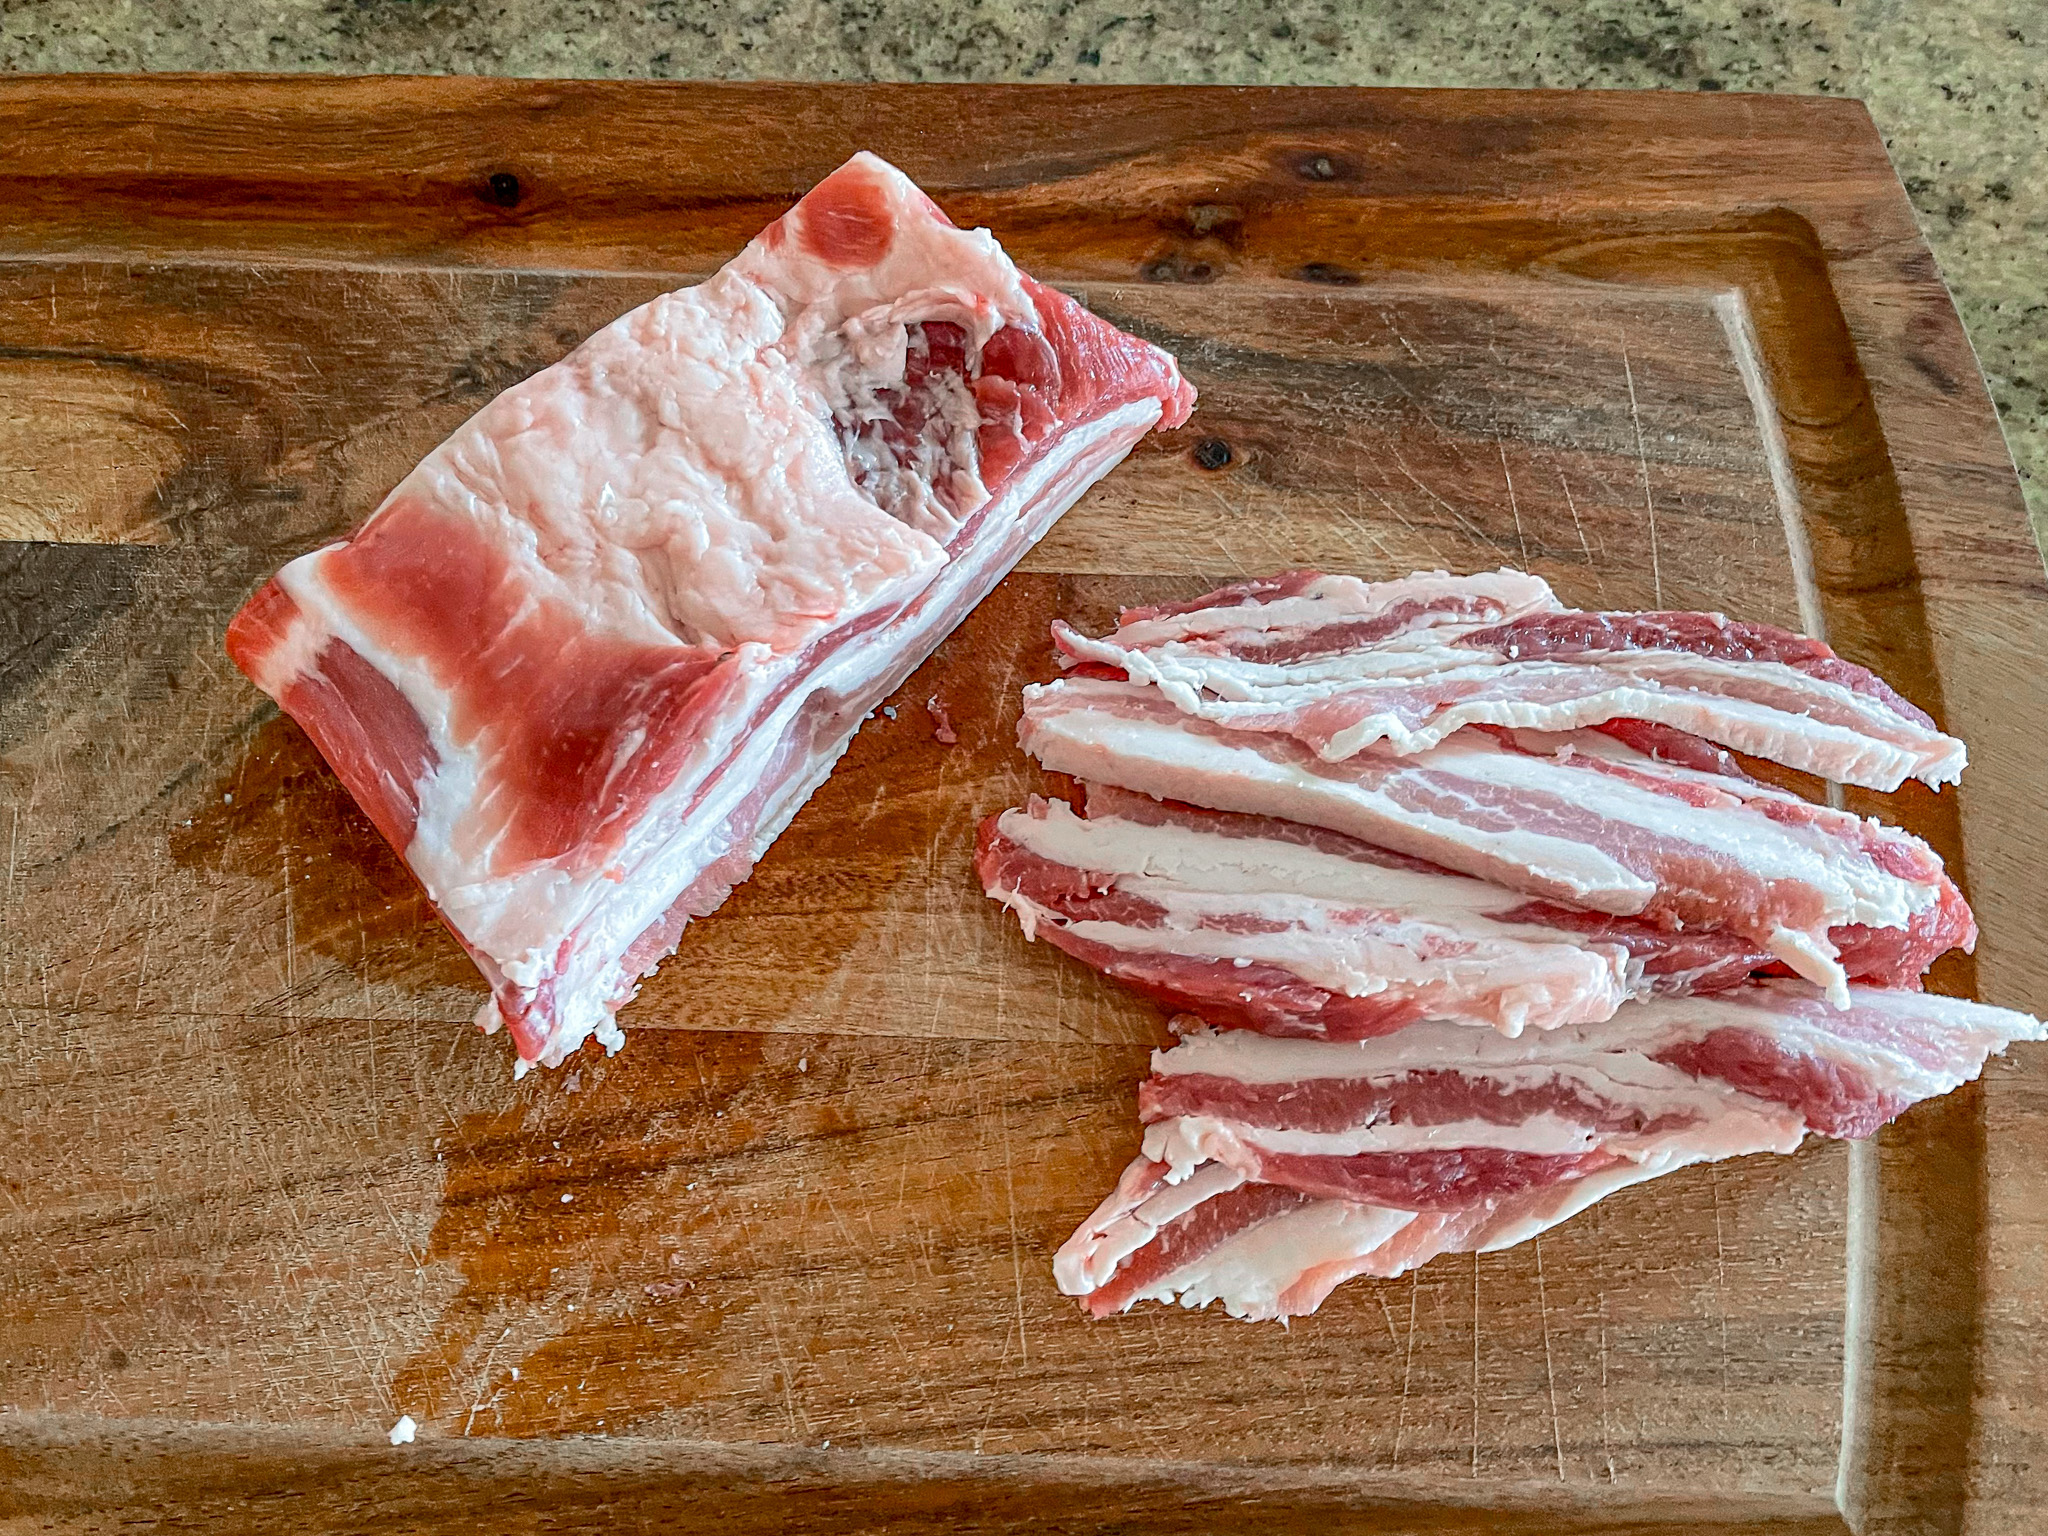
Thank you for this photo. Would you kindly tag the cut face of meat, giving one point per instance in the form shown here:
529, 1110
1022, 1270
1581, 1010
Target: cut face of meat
1341, 665
1580, 819
588, 659
1435, 1117
1263, 924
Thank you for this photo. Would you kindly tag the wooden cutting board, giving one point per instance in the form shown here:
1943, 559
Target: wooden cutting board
784, 1262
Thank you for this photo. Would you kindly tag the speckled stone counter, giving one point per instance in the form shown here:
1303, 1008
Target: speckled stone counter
1960, 88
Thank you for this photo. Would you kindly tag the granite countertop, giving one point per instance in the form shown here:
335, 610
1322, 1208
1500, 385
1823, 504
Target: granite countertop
1960, 89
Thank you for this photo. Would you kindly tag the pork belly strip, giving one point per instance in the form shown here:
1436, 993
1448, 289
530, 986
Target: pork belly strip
1263, 924
1581, 819
1436, 1116
1341, 664
1268, 1253
586, 661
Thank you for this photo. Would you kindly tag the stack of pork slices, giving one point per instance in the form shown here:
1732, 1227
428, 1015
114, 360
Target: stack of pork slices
1473, 917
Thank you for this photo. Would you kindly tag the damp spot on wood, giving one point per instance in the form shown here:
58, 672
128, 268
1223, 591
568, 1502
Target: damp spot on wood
1328, 273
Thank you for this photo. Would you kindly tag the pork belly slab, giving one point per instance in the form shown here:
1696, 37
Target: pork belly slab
1274, 1169
1577, 818
586, 661
1341, 664
1292, 930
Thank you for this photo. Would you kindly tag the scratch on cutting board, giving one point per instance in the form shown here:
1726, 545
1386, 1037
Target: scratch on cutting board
1606, 1433
484, 1379
1475, 1364
1549, 1366
1016, 1248
1514, 506
1387, 319
1635, 415
1720, 1282
1462, 520
1402, 518
1407, 1366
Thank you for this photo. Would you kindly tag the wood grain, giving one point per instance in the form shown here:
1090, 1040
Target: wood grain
266, 1192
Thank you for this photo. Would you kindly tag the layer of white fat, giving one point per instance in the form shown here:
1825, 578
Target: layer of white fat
1209, 690
1072, 726
1249, 1273
1764, 708
1832, 751
1129, 1219
1252, 868
1714, 1121
1523, 1220
1509, 985
1335, 599
296, 653
857, 676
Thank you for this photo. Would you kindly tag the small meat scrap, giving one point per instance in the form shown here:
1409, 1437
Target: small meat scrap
942, 723
586, 661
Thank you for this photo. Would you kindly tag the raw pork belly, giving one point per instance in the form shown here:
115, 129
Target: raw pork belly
1435, 1116
587, 660
1341, 664
1268, 1253
1258, 923
1276, 1169
1579, 818
1346, 822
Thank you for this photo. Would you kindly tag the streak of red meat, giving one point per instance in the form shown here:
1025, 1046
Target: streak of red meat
1668, 744
1715, 958
1834, 1100
1259, 589
580, 731
845, 219
1257, 997
1190, 1238
1423, 1181
1428, 1097
361, 724
1346, 634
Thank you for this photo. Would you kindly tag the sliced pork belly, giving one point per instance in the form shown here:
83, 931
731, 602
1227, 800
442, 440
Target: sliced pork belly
1268, 1253
1275, 1169
1341, 664
1258, 923
1435, 1117
586, 661
1579, 818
